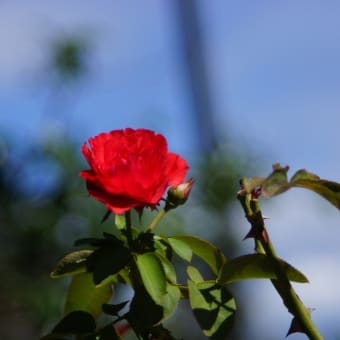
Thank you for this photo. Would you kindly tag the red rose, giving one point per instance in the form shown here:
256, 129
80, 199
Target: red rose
130, 168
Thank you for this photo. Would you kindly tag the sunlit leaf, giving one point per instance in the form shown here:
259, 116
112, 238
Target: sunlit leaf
194, 274
213, 307
181, 248
85, 296
168, 267
256, 266
277, 183
170, 300
203, 249
71, 264
327, 189
162, 246
153, 275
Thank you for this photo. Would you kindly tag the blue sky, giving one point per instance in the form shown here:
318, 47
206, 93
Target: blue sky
275, 78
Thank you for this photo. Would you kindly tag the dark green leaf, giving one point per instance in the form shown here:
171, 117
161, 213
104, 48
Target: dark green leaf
256, 266
85, 296
159, 332
108, 333
96, 242
107, 260
76, 322
71, 264
214, 308
153, 275
203, 249
114, 309
53, 337
108, 239
144, 312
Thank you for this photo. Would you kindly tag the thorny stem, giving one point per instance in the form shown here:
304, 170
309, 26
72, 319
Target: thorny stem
282, 284
156, 220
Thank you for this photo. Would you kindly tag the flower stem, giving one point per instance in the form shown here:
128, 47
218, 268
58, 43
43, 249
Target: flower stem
156, 220
282, 284
128, 229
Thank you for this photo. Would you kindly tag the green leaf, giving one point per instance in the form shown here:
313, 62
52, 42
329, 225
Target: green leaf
162, 247
194, 274
213, 307
181, 248
327, 189
168, 267
277, 183
71, 264
107, 260
76, 322
85, 296
144, 312
203, 249
170, 300
153, 275
256, 266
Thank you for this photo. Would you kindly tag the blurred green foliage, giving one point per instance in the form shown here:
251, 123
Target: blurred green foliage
68, 57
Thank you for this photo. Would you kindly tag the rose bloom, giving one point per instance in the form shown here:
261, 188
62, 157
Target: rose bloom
130, 168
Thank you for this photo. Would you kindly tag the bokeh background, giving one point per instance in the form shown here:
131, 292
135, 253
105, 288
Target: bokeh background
235, 86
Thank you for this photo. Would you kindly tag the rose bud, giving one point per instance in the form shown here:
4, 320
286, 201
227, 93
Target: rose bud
179, 194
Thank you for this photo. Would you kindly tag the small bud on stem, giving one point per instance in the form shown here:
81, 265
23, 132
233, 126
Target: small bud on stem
178, 195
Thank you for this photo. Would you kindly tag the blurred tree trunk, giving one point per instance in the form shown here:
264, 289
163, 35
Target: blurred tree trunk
192, 49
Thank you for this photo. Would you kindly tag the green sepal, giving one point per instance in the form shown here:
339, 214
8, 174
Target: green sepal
120, 222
